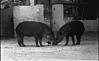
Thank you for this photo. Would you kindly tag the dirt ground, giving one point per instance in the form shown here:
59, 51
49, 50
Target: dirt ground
87, 51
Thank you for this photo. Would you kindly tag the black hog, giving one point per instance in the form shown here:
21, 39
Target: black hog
35, 29
71, 29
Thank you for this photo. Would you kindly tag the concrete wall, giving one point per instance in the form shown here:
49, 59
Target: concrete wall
91, 25
35, 13
57, 14
28, 13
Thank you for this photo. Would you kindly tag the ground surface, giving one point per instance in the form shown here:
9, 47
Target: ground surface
88, 50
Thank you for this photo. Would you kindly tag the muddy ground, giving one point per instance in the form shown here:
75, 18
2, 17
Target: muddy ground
88, 50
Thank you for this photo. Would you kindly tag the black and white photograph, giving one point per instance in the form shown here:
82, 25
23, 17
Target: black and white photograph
49, 30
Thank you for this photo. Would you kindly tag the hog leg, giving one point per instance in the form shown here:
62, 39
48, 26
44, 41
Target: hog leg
40, 41
36, 41
22, 42
19, 41
78, 36
67, 39
73, 40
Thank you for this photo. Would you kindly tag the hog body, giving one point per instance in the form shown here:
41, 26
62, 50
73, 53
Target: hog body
35, 29
70, 29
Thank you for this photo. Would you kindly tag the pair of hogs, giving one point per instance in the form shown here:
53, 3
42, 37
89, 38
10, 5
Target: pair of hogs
39, 30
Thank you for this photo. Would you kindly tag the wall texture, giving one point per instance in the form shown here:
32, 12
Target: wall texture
28, 13
91, 25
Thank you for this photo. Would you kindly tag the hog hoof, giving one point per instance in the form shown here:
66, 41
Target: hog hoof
42, 46
37, 45
77, 43
65, 44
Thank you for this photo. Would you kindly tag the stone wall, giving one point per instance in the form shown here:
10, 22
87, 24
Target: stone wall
91, 25
28, 13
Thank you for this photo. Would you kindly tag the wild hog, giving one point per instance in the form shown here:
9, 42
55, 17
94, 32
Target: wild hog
35, 29
70, 29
